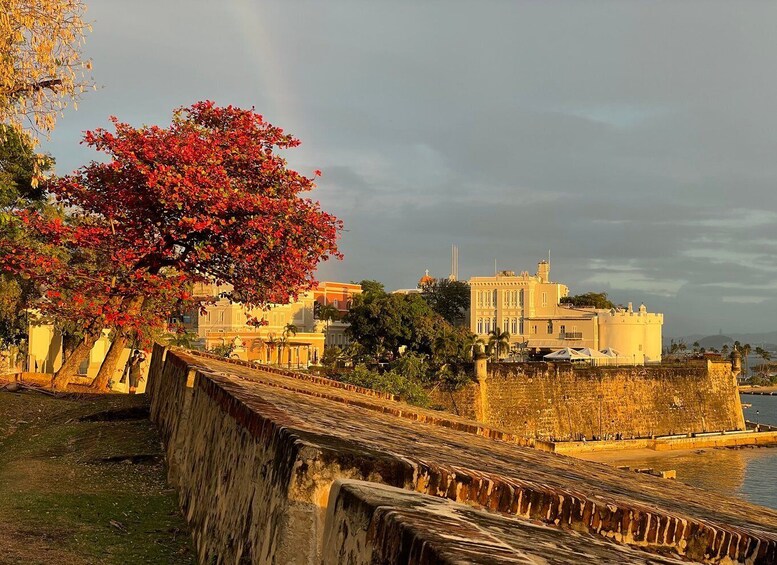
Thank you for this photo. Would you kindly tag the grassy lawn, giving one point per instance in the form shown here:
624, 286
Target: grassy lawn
82, 481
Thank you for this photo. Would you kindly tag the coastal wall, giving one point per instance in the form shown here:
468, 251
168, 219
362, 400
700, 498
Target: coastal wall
265, 463
565, 402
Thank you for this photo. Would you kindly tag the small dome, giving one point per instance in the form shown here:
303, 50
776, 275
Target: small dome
425, 280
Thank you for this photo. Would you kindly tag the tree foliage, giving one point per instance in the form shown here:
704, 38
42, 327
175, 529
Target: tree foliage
18, 164
590, 300
206, 199
415, 342
41, 69
450, 299
384, 323
396, 382
372, 287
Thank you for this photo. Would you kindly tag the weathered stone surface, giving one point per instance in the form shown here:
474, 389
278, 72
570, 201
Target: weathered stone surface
562, 401
370, 523
257, 453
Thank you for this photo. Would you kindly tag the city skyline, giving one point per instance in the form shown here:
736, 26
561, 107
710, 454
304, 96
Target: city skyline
634, 142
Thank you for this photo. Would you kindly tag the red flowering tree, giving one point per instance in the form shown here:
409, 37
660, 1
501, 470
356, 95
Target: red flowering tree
206, 199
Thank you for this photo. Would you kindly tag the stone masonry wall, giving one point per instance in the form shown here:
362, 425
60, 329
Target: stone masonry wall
257, 455
563, 402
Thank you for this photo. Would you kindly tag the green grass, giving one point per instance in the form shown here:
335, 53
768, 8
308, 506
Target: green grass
74, 491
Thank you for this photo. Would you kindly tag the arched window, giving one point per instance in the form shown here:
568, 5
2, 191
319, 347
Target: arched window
480, 325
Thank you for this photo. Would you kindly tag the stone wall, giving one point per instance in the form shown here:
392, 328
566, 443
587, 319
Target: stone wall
564, 402
265, 463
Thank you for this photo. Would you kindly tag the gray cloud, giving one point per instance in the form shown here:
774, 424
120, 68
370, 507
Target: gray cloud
634, 140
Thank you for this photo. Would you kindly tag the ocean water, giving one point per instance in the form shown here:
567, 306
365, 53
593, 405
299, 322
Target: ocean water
749, 473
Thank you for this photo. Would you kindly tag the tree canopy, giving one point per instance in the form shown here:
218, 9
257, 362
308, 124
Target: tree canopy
590, 300
450, 299
18, 164
41, 69
418, 344
206, 199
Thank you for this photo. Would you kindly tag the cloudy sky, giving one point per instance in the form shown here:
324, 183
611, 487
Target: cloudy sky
634, 140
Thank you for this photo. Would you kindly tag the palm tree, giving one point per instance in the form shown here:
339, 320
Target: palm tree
272, 343
745, 352
328, 313
498, 342
288, 330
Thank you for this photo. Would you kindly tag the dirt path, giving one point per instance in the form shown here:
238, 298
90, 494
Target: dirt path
82, 481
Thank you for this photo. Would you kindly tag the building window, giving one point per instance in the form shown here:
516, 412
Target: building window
480, 299
520, 326
515, 325
506, 324
336, 303
550, 327
493, 299
563, 329
488, 326
534, 329
520, 298
544, 298
480, 325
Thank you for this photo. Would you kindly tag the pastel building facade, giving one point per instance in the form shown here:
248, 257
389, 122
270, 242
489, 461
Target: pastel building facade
45, 353
529, 308
226, 323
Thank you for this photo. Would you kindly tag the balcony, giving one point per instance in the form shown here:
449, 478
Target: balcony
576, 336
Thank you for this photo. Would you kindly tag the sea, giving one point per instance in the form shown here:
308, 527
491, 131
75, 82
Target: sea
749, 473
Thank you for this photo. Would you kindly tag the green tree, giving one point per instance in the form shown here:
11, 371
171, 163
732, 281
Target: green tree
498, 343
18, 163
327, 313
589, 300
184, 339
222, 350
450, 299
372, 287
746, 348
289, 330
406, 387
763, 353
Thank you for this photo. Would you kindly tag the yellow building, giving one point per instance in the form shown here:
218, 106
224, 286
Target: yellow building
224, 323
529, 308
44, 355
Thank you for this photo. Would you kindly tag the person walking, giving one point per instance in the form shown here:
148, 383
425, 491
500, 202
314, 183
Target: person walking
134, 370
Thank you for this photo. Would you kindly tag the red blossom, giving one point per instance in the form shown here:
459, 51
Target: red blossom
205, 199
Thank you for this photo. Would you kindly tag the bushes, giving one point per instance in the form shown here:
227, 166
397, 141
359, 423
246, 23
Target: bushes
406, 387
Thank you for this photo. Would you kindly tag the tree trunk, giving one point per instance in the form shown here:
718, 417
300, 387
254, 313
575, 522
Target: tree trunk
70, 367
134, 305
108, 367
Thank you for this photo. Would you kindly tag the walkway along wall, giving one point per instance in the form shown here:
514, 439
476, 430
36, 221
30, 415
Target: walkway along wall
268, 464
561, 401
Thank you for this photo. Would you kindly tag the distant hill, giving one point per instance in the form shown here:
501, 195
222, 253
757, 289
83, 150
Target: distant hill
766, 340
715, 341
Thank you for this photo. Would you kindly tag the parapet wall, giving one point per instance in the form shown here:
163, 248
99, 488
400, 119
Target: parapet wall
274, 467
565, 402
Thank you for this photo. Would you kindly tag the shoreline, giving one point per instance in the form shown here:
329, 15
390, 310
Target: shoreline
612, 457
759, 390
656, 445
